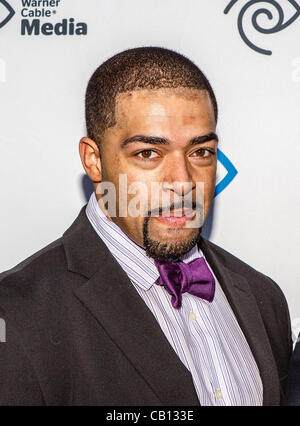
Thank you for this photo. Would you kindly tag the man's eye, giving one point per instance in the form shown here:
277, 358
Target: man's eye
147, 154
202, 153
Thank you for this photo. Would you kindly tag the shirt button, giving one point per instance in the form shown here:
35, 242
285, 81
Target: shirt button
192, 316
219, 394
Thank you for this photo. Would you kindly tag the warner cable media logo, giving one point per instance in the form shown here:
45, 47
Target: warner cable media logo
40, 17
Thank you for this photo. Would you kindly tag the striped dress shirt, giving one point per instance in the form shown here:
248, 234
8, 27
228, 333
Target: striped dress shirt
205, 336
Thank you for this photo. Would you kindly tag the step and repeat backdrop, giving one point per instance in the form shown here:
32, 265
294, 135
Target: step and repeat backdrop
249, 51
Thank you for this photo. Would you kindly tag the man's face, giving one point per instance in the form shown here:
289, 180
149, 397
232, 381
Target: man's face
158, 137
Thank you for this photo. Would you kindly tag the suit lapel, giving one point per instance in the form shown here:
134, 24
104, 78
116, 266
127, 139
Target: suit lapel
111, 298
244, 306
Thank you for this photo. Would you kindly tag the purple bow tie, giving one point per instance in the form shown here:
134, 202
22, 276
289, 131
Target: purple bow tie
179, 277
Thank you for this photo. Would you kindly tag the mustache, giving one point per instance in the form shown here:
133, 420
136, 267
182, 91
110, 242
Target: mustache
181, 205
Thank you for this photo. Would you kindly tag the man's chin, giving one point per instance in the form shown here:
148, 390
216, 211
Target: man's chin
167, 252
169, 244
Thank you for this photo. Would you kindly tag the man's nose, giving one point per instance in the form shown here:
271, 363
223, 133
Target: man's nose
177, 176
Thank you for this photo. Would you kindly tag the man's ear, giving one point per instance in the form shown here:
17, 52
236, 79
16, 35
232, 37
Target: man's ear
90, 158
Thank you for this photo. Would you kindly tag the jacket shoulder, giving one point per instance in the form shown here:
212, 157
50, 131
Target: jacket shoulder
35, 271
262, 286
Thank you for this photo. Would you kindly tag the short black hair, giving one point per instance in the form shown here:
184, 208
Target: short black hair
134, 69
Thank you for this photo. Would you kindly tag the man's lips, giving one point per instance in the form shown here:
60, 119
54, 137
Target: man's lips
176, 217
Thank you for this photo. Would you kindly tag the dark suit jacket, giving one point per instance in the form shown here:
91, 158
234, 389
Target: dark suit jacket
78, 333
293, 386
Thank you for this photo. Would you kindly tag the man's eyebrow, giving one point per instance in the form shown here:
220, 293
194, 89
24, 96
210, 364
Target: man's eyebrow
205, 138
156, 140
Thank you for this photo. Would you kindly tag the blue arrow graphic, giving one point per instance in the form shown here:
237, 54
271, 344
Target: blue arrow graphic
230, 175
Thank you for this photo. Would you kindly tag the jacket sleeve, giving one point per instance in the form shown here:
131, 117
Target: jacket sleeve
292, 396
18, 383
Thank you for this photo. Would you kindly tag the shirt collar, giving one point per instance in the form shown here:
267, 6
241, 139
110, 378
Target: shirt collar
132, 258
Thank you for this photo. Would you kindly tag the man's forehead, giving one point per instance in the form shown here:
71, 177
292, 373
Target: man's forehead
163, 112
161, 102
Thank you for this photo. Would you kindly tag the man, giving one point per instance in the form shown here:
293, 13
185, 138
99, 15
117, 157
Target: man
132, 306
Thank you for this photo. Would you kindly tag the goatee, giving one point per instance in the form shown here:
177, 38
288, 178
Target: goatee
167, 252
